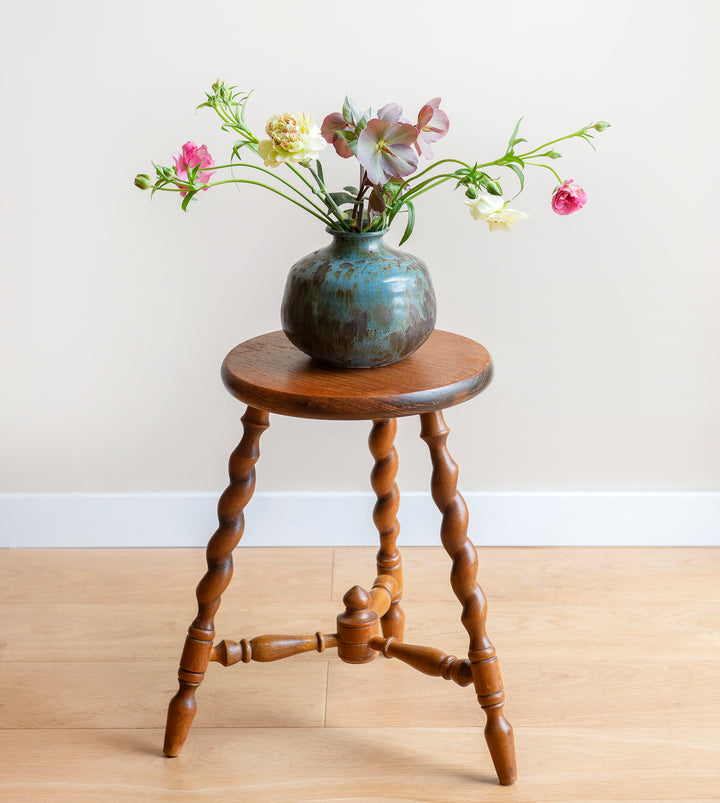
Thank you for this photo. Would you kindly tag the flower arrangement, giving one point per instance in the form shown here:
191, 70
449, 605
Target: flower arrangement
388, 148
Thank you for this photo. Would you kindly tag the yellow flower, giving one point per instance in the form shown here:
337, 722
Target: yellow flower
293, 138
495, 212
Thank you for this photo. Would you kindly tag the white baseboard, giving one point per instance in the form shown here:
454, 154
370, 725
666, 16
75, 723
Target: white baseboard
345, 519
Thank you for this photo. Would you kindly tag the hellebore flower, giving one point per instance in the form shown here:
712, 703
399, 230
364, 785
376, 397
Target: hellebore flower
432, 125
495, 212
391, 113
384, 149
329, 129
568, 198
293, 138
190, 158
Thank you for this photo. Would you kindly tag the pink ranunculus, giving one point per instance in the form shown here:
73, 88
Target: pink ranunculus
568, 198
432, 125
191, 157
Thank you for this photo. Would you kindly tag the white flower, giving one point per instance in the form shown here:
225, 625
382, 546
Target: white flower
495, 212
293, 138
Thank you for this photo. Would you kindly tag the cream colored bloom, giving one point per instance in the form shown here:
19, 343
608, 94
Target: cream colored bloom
495, 212
293, 138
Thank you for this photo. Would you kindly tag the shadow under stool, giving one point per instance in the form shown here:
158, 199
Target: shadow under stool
270, 375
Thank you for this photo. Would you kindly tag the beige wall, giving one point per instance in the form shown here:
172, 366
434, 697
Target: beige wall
116, 312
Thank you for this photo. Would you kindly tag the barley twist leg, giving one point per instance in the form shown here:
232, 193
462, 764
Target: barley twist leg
201, 633
383, 482
463, 576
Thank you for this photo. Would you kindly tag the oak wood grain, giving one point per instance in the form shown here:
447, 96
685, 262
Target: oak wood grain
611, 655
269, 373
309, 765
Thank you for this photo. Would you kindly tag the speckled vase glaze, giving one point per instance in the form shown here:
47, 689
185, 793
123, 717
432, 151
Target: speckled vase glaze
358, 303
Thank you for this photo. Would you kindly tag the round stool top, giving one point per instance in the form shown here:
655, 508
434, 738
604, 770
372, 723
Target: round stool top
269, 373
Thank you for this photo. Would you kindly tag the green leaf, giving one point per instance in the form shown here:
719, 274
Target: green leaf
410, 222
237, 147
319, 168
342, 198
512, 140
519, 173
186, 200
352, 190
506, 161
363, 121
350, 111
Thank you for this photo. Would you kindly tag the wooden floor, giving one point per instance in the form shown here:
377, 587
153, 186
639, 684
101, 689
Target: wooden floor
611, 662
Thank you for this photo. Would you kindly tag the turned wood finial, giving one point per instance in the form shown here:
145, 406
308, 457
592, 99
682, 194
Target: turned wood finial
356, 599
356, 626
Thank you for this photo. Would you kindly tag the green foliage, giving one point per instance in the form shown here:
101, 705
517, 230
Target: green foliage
410, 221
365, 207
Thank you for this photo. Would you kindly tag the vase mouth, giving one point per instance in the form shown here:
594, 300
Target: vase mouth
356, 235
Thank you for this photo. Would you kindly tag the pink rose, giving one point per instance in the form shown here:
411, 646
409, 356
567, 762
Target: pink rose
192, 157
568, 198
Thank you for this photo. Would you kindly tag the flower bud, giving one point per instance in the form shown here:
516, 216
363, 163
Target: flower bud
601, 125
494, 188
472, 193
553, 155
222, 91
143, 181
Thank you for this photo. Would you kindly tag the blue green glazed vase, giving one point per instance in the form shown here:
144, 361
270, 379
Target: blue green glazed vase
358, 303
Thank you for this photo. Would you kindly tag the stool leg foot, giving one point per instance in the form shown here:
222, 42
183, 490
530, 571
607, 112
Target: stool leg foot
463, 578
201, 633
181, 713
383, 475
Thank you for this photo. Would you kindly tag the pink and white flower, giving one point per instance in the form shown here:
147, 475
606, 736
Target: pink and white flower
432, 125
384, 149
331, 129
568, 198
191, 157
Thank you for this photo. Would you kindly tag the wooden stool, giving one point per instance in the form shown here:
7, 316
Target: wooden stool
270, 375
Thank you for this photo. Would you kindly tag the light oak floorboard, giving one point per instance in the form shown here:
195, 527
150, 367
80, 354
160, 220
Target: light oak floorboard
125, 632
441, 765
610, 657
551, 574
149, 576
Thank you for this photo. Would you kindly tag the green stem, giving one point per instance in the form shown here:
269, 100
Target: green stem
299, 174
432, 167
323, 189
547, 167
554, 141
277, 178
416, 192
421, 188
235, 123
325, 219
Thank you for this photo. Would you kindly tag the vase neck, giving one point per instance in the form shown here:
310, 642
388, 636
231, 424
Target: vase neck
358, 242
